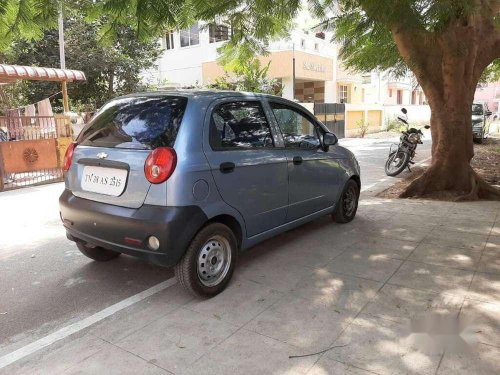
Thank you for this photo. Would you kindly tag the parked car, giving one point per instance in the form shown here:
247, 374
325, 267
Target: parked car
480, 125
189, 178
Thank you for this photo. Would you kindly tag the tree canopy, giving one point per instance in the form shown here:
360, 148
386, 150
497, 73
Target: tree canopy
447, 44
365, 26
111, 69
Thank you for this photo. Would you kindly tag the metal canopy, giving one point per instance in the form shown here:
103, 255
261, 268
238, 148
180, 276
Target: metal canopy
11, 73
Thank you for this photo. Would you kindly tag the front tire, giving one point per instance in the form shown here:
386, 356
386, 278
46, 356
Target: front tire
209, 262
97, 253
396, 163
347, 205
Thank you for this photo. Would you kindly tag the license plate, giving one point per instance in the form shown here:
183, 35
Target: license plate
107, 181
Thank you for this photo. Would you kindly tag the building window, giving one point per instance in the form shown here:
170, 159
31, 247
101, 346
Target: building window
316, 46
191, 36
169, 40
390, 93
343, 94
320, 35
400, 97
413, 97
218, 33
303, 43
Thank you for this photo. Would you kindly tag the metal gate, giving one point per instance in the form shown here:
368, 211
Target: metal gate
32, 150
333, 116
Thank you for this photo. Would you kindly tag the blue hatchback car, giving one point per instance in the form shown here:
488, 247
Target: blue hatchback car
190, 178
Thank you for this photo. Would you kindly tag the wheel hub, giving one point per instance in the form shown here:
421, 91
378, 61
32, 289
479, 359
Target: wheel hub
349, 201
213, 261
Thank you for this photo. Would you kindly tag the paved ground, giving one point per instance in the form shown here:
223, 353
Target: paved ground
360, 287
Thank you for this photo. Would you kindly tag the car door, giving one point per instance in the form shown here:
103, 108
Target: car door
313, 174
249, 171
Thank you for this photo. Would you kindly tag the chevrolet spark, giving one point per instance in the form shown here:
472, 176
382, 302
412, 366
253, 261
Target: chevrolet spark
190, 178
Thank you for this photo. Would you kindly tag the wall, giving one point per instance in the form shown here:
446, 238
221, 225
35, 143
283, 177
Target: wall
417, 114
489, 94
311, 91
373, 114
182, 66
307, 66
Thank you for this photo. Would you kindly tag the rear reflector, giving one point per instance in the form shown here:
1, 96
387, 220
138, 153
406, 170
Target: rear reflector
133, 241
160, 165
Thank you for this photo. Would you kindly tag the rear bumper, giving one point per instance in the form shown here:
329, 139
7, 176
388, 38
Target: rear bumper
107, 226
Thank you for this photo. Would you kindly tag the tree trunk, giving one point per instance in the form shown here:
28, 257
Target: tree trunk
452, 151
450, 172
448, 67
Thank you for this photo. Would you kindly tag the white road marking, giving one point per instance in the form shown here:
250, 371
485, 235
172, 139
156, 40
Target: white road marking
374, 184
385, 179
82, 324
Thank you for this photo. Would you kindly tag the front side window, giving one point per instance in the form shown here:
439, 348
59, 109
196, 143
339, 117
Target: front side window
240, 125
136, 122
191, 36
218, 33
298, 131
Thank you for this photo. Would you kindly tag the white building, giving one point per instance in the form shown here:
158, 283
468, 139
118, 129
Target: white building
190, 57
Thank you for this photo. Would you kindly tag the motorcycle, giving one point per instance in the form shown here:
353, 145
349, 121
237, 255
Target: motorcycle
402, 157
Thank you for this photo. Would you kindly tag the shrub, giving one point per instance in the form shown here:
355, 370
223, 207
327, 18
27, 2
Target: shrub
363, 127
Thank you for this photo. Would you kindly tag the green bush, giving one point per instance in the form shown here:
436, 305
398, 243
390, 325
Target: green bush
393, 124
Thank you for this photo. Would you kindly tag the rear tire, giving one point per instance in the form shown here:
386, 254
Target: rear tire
97, 253
347, 205
404, 158
209, 261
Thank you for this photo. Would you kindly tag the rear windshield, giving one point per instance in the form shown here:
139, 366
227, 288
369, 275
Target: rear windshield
136, 122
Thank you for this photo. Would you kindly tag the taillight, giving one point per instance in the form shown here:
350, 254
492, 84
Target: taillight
160, 165
68, 157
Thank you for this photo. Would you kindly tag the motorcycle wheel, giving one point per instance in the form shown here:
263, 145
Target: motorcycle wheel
396, 163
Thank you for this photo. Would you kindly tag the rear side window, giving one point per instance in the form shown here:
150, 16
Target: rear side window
136, 122
239, 125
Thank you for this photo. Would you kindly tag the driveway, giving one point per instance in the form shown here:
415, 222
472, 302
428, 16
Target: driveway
378, 295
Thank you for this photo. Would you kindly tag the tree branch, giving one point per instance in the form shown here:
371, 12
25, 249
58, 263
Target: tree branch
489, 37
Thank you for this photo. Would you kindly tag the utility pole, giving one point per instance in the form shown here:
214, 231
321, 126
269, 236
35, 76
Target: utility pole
62, 57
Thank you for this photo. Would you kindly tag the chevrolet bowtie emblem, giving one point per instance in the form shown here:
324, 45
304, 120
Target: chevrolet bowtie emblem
102, 155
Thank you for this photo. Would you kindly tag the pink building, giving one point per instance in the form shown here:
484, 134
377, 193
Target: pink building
489, 93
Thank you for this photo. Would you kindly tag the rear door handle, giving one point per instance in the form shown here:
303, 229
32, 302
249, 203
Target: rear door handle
297, 160
227, 167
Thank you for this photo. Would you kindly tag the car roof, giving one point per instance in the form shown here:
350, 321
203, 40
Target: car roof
200, 93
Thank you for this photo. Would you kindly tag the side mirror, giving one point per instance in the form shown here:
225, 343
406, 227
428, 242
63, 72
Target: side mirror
488, 113
404, 110
329, 139
427, 126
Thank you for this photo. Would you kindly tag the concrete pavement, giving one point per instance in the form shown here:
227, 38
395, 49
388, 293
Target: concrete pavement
360, 289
